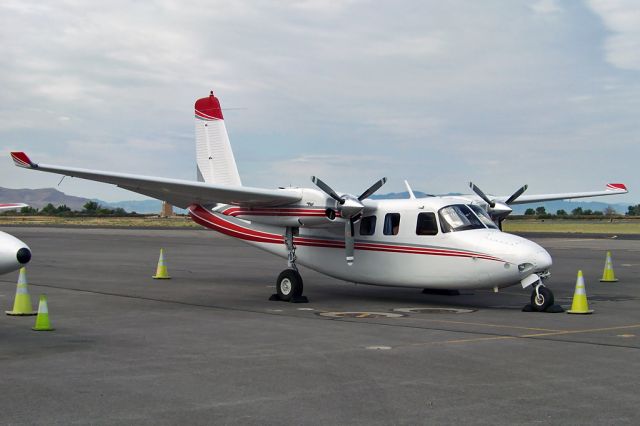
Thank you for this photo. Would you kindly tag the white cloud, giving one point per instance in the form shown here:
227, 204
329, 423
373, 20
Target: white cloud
622, 19
546, 7
437, 92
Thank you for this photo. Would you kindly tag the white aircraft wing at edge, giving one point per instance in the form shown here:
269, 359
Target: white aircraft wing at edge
12, 206
180, 193
612, 189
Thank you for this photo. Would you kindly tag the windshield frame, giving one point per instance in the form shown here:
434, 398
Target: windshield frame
465, 217
483, 216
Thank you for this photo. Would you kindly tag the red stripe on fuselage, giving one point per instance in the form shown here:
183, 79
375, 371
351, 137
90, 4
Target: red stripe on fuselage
207, 219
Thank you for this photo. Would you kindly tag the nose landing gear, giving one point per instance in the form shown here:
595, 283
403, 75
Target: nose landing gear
542, 300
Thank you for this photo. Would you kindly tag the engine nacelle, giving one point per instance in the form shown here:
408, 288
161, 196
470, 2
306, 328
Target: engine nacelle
13, 253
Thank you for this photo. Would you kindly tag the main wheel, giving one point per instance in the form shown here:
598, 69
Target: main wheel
542, 300
289, 284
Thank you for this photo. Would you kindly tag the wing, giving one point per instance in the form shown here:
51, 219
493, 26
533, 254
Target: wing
612, 189
12, 206
180, 193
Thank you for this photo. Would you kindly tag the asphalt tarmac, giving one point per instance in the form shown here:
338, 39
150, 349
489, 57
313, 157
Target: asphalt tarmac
207, 347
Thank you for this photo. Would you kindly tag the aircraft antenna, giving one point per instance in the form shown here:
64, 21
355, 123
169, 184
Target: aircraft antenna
412, 196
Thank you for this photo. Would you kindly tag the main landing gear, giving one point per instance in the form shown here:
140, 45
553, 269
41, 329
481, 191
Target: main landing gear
542, 300
289, 284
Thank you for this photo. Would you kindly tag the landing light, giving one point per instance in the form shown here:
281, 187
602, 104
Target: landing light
525, 267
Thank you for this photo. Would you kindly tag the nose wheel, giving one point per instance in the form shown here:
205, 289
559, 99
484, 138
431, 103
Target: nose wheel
541, 298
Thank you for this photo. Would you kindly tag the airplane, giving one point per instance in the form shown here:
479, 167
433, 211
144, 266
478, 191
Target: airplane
439, 242
14, 254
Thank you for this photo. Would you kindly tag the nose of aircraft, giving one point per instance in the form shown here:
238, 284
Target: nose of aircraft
528, 255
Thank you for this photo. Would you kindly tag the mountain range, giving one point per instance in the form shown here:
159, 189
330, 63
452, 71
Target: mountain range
39, 198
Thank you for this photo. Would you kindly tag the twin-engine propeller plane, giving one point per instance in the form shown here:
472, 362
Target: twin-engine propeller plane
14, 254
439, 243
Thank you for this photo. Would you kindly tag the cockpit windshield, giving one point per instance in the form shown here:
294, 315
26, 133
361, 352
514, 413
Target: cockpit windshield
483, 216
458, 217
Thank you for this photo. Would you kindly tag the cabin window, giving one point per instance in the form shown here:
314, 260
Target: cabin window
427, 224
458, 217
391, 224
368, 225
483, 216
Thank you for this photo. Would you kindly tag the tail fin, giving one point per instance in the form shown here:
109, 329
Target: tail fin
214, 156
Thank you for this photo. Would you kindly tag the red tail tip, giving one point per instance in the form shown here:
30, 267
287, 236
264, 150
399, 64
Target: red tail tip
208, 108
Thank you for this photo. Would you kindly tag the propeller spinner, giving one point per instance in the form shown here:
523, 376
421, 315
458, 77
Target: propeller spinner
350, 208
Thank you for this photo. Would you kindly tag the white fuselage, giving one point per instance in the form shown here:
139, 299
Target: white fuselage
475, 258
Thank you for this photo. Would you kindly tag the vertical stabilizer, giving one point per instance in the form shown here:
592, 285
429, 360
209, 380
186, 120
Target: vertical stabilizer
214, 156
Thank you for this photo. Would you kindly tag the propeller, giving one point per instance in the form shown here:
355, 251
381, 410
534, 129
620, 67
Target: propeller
350, 208
497, 209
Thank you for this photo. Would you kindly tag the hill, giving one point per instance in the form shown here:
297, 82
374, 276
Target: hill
38, 198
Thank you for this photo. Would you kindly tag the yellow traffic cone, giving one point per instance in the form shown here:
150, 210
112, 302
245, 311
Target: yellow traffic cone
580, 304
22, 302
42, 320
161, 270
608, 276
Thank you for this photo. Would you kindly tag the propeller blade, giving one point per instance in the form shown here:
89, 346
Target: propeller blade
516, 194
373, 188
482, 195
349, 241
327, 189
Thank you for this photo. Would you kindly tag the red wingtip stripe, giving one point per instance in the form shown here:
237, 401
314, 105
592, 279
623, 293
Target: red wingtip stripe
617, 186
21, 159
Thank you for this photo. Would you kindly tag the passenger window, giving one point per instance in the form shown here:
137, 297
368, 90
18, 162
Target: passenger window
391, 224
368, 225
427, 224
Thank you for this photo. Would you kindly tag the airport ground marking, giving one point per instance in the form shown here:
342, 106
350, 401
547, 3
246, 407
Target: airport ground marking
526, 336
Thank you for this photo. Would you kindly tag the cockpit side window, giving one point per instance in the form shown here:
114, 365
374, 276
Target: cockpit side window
391, 224
483, 216
368, 225
458, 217
427, 224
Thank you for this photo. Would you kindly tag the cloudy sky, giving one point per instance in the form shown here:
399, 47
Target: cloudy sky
503, 93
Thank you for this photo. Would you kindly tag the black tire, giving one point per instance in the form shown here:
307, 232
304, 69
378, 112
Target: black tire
289, 285
542, 302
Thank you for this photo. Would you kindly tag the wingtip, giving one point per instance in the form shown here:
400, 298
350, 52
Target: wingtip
621, 187
21, 159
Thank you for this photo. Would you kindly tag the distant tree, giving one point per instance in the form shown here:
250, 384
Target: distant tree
541, 211
529, 212
28, 210
62, 208
610, 211
119, 211
587, 212
48, 210
577, 211
633, 210
597, 213
91, 207
561, 212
